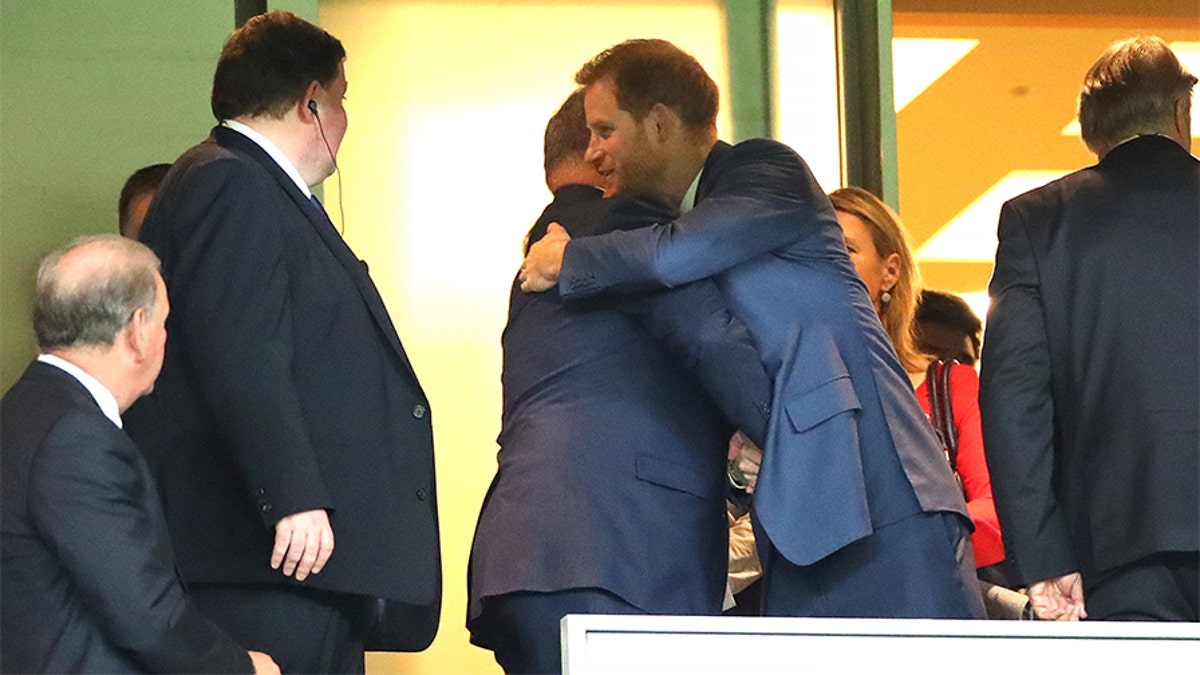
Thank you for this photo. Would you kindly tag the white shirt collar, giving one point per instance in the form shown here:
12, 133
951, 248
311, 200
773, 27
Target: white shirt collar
104, 398
689, 197
272, 150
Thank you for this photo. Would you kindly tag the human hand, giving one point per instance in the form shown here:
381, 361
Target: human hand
1058, 599
303, 543
263, 664
543, 263
744, 461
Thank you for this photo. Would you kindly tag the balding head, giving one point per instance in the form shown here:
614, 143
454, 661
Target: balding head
88, 290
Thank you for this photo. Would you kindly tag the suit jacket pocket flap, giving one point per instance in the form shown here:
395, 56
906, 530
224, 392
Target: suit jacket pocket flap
669, 474
823, 401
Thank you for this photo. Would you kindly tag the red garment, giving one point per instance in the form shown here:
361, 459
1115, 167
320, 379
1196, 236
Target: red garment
964, 398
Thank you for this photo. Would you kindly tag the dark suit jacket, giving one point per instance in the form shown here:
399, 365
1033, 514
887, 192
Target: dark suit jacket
848, 449
284, 388
1090, 387
87, 574
611, 459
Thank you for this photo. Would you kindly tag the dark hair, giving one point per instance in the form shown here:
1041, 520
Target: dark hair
144, 180
951, 311
90, 303
567, 135
1132, 89
268, 63
647, 72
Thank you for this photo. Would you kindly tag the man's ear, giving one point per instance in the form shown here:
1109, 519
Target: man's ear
306, 113
136, 333
663, 121
1183, 120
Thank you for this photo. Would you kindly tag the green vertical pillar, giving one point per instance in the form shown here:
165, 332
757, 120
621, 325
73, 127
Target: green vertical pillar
864, 39
750, 33
244, 9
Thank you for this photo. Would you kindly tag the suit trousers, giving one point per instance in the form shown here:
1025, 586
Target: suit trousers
524, 626
304, 630
1159, 587
921, 566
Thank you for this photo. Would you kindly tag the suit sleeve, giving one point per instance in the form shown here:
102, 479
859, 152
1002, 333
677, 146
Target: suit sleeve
759, 204
972, 466
89, 491
696, 326
231, 294
1018, 411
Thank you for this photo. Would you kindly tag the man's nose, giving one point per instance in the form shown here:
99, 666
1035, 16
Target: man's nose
592, 154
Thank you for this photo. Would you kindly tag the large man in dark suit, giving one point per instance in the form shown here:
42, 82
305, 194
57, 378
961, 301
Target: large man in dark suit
1090, 388
287, 413
88, 577
609, 497
857, 504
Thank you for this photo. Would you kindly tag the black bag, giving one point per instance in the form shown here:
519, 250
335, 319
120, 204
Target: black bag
941, 413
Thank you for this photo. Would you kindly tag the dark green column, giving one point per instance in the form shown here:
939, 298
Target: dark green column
864, 39
244, 9
750, 33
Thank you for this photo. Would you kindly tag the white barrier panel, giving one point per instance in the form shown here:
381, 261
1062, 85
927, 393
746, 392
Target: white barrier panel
595, 644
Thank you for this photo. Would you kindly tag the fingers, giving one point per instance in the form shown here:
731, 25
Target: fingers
263, 664
536, 283
303, 544
295, 553
735, 445
540, 270
283, 539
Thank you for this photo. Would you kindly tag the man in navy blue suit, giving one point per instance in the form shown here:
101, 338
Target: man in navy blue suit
1090, 390
292, 437
89, 580
609, 497
860, 512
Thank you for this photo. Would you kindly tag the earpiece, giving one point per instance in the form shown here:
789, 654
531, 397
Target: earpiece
312, 106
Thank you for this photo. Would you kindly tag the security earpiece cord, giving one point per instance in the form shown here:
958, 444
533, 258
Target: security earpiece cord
312, 105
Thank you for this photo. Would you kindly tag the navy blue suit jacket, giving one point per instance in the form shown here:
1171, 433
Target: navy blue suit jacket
1090, 390
86, 570
848, 449
611, 464
285, 388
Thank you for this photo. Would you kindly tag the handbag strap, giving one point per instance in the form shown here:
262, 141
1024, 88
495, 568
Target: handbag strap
937, 381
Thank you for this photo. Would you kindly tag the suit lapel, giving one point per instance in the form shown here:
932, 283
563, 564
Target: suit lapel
712, 169
319, 220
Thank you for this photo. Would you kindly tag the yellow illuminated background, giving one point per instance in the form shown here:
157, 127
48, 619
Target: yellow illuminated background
442, 177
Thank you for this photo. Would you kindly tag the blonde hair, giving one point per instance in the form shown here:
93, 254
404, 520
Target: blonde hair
889, 236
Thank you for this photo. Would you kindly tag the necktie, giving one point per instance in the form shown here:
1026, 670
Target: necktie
317, 203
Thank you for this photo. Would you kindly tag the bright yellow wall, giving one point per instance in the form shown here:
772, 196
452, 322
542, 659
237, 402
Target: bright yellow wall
441, 179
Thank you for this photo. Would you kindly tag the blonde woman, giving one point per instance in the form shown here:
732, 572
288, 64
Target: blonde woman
879, 249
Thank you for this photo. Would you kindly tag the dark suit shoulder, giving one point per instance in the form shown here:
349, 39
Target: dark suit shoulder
578, 208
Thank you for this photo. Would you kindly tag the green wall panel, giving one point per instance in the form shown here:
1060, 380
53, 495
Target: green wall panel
89, 92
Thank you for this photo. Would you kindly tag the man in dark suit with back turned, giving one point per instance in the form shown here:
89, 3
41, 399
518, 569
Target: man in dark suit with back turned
609, 497
1090, 390
87, 574
290, 432
856, 501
